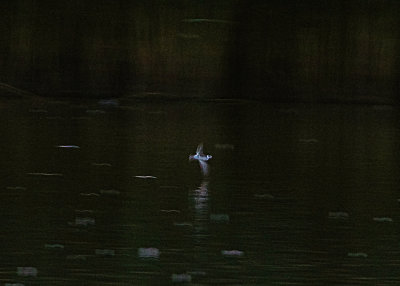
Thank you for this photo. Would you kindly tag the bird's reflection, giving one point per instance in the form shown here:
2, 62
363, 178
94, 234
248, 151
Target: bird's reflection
200, 205
199, 199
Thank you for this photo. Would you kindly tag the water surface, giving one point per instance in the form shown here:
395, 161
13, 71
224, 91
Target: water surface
297, 194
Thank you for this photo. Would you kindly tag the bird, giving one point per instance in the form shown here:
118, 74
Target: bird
199, 156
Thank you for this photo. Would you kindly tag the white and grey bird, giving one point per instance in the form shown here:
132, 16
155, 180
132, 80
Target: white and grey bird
199, 156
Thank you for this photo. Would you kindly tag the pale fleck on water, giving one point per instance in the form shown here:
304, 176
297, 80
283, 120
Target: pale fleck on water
93, 194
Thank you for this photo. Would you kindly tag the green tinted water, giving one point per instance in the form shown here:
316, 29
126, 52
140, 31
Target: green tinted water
297, 194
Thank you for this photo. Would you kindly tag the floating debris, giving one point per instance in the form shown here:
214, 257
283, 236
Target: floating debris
84, 211
156, 94
110, 192
77, 257
68, 146
27, 271
145, 177
102, 164
149, 252
183, 224
224, 146
105, 252
84, 221
171, 211
89, 194
383, 219
17, 188
46, 174
338, 215
95, 111
181, 278
202, 20
112, 102
53, 246
219, 217
357, 254
232, 253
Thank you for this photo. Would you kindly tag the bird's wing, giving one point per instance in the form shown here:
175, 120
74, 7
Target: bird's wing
200, 149
204, 167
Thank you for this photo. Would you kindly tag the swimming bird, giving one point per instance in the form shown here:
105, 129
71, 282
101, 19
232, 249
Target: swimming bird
199, 156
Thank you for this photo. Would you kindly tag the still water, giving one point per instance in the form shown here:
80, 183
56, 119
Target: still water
103, 193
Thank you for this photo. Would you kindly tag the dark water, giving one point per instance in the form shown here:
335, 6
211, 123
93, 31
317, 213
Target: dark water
297, 195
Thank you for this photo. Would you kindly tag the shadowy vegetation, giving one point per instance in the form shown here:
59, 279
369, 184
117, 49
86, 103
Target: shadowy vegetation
342, 50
